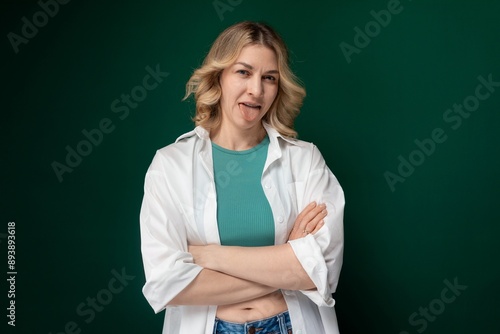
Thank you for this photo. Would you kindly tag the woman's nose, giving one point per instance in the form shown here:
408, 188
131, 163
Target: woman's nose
255, 86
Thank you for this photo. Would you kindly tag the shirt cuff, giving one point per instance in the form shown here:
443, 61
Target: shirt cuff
164, 285
310, 256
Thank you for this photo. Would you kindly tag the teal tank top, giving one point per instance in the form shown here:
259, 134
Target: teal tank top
244, 216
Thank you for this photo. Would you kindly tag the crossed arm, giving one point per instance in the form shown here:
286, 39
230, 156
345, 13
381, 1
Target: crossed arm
226, 278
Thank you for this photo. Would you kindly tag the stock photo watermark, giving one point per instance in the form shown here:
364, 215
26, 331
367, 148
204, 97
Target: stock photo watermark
222, 6
436, 307
454, 118
94, 137
363, 37
30, 28
92, 305
11, 273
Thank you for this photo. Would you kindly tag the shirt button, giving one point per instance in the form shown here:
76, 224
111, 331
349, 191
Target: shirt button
280, 219
268, 186
299, 332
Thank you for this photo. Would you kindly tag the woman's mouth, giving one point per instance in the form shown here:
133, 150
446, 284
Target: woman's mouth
250, 111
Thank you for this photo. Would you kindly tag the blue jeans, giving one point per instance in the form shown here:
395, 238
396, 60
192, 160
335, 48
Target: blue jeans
278, 324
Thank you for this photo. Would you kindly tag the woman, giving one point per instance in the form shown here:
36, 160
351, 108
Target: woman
241, 224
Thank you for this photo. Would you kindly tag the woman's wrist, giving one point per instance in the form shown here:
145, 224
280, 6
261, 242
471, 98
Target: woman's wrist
209, 256
216, 257
206, 256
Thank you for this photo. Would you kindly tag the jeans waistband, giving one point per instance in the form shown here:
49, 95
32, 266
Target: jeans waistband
279, 323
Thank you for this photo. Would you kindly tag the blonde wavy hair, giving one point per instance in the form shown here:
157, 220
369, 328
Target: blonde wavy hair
204, 83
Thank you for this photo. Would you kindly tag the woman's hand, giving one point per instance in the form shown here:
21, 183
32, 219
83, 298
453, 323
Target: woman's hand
202, 255
310, 220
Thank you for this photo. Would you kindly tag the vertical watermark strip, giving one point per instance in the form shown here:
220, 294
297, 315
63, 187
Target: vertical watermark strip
11, 273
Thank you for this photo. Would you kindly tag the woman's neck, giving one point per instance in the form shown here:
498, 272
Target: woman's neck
237, 139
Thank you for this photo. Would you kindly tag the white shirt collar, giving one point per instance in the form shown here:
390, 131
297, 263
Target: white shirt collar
203, 133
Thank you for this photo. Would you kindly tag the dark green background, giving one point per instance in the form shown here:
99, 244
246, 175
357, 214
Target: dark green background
440, 224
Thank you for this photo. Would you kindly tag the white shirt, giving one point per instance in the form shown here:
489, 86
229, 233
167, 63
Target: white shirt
179, 208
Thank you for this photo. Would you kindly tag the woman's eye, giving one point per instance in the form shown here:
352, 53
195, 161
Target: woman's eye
242, 72
270, 78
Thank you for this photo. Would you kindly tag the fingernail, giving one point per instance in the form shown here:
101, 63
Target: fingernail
312, 204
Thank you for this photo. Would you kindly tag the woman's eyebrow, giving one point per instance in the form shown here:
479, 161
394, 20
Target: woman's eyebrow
250, 67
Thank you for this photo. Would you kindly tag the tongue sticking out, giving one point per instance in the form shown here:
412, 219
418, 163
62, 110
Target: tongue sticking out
249, 113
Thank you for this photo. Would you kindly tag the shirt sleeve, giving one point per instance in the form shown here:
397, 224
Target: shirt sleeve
168, 266
321, 254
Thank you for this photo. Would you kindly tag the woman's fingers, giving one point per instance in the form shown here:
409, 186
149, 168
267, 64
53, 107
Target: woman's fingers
306, 211
312, 218
308, 221
319, 224
303, 217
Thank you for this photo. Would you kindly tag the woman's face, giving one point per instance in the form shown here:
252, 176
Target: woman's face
249, 87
